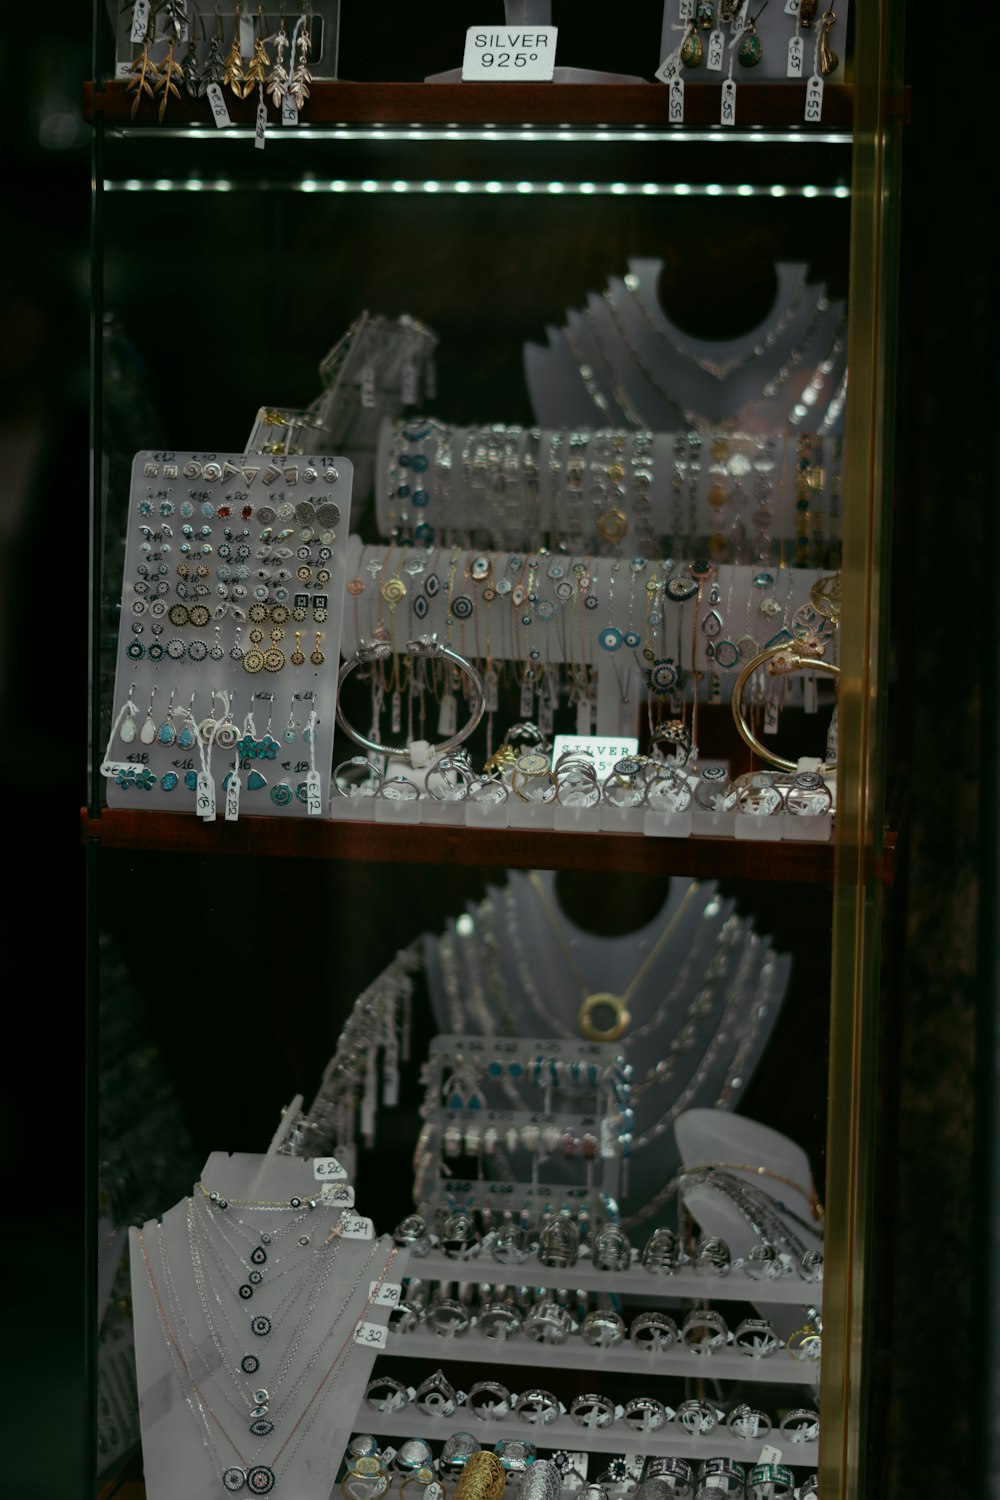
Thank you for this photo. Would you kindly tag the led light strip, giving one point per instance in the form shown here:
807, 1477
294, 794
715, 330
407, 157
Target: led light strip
463, 186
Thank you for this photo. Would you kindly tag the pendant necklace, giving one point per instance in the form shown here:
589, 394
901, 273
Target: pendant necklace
604, 1015
258, 1478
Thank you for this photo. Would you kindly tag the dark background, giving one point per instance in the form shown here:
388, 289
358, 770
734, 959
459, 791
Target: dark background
934, 1358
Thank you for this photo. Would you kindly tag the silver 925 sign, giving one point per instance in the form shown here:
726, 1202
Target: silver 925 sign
509, 54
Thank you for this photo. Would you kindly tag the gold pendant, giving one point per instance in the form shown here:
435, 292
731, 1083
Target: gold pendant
828, 59
603, 1017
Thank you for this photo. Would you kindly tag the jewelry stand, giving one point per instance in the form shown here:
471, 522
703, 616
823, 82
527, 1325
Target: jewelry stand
707, 1136
184, 1449
539, 13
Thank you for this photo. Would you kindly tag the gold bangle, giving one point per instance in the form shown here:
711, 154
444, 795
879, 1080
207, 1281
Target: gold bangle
791, 661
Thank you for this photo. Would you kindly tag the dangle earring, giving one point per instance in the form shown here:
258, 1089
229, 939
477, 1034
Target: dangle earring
215, 63
290, 734
233, 71
215, 650
127, 731
259, 62
277, 79
170, 69
828, 59
298, 84
195, 81
316, 657
167, 734
147, 734
186, 734
751, 48
236, 649
142, 70
297, 657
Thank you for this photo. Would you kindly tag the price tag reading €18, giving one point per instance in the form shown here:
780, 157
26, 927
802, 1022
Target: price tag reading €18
510, 54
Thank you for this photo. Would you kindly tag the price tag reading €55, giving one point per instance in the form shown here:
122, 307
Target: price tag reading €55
510, 54
336, 1195
356, 1227
373, 1335
328, 1169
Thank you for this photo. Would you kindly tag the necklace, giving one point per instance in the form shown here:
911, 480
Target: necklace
604, 1016
258, 1478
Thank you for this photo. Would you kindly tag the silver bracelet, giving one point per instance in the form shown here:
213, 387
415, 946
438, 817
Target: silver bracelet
428, 647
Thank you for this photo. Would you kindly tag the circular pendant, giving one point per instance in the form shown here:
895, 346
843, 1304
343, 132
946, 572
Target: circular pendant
246, 1292
234, 1478
260, 1325
603, 1017
610, 639
249, 1364
258, 1256
260, 1480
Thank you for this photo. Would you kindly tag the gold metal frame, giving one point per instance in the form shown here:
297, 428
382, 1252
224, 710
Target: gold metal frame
857, 906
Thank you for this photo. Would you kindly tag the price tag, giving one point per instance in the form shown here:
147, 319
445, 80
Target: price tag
771, 717
814, 99
356, 1227
388, 1294
686, 11
716, 52
545, 719
769, 1455
116, 767
368, 386
527, 700
233, 786
796, 51
727, 115
491, 690
740, 23
669, 69
205, 797
336, 1195
769, 800
289, 113
122, 70
314, 798
408, 385
328, 1169
372, 1335
140, 20
676, 102
217, 103
792, 7
260, 134
511, 54
390, 1087
809, 693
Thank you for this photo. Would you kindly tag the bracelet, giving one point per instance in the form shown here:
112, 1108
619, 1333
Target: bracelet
780, 660
426, 646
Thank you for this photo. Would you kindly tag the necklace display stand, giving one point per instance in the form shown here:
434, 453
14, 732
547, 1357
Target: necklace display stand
195, 1396
539, 13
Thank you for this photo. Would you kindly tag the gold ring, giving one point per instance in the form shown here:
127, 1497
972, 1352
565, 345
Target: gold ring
796, 663
603, 1000
482, 1478
522, 776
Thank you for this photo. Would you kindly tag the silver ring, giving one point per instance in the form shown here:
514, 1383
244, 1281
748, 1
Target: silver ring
746, 1421
427, 646
645, 1414
441, 782
516, 1454
711, 1257
548, 1323
488, 1400
611, 1249
411, 1455
696, 1417
662, 1253
704, 1331
435, 1395
537, 1406
800, 1425
499, 1320
653, 1331
447, 1318
755, 1338
726, 1469
399, 789
457, 1450
385, 1394
603, 1329
592, 1411
350, 777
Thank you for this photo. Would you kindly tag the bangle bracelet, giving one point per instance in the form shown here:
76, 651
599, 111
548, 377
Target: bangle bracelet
779, 660
426, 646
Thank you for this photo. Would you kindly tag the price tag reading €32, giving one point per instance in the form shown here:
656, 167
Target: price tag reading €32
328, 1169
373, 1335
509, 54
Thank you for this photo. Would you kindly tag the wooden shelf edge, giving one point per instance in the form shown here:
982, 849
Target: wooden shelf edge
484, 848
337, 102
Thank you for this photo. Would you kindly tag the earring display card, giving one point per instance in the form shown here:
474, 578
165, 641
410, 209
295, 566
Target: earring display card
228, 653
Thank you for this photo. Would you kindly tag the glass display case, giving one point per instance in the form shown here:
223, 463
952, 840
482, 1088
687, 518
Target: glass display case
490, 708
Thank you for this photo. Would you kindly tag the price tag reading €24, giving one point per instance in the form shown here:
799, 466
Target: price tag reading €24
356, 1227
509, 54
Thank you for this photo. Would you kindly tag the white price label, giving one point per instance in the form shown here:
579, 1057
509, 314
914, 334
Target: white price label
716, 52
814, 100
769, 1455
140, 20
233, 786
810, 697
792, 7
676, 103
289, 113
727, 115
387, 1295
669, 69
372, 1335
117, 767
356, 1227
767, 803
740, 23
217, 103
368, 386
205, 797
509, 55
796, 51
447, 717
314, 797
260, 134
328, 1169
336, 1195
686, 10
408, 385
770, 717
122, 70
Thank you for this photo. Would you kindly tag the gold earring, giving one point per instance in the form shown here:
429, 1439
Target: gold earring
828, 59
316, 657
